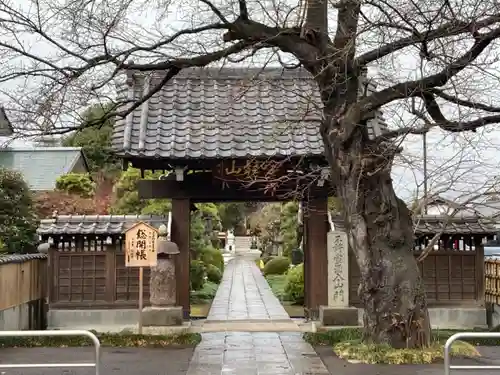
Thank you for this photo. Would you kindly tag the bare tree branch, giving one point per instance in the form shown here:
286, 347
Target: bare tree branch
463, 102
450, 29
419, 87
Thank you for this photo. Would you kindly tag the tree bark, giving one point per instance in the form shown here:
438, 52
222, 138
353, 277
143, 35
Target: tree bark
380, 233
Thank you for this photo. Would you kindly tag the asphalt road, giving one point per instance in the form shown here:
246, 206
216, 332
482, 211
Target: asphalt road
141, 361
123, 361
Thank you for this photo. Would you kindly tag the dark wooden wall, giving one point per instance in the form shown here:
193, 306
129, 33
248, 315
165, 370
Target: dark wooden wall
94, 276
451, 277
87, 273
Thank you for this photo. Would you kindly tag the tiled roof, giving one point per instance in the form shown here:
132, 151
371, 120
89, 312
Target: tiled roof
95, 224
456, 225
430, 225
224, 113
20, 258
41, 166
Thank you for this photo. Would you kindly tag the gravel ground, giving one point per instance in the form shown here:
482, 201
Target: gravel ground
123, 361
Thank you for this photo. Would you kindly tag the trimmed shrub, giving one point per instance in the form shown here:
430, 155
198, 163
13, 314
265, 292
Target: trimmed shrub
267, 258
205, 294
214, 274
197, 274
277, 266
212, 256
294, 285
76, 183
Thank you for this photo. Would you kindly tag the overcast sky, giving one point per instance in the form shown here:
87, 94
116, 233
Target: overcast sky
457, 163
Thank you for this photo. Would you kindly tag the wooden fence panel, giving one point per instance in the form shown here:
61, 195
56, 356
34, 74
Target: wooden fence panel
127, 281
450, 278
81, 277
492, 281
22, 282
93, 275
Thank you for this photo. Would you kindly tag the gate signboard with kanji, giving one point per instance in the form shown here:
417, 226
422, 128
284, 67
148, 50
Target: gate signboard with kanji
140, 245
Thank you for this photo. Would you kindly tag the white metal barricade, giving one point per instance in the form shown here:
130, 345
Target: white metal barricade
95, 341
466, 335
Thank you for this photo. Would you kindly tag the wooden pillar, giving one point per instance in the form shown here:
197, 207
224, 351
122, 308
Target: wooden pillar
315, 255
480, 274
180, 235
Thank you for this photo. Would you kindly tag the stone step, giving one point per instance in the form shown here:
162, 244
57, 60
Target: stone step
242, 244
248, 326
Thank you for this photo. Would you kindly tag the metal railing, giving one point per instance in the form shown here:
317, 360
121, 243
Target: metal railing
95, 341
467, 335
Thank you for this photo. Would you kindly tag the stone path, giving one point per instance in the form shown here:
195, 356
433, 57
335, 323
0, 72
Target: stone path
244, 295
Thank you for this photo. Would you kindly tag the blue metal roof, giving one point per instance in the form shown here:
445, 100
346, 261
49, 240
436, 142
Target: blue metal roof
41, 166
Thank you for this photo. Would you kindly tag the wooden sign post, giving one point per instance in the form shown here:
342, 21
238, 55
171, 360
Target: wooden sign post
140, 251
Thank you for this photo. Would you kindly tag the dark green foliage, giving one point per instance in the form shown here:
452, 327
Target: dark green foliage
127, 200
294, 285
288, 227
17, 219
205, 222
198, 273
277, 285
267, 258
76, 183
214, 274
106, 339
277, 266
332, 337
96, 140
233, 215
209, 255
207, 293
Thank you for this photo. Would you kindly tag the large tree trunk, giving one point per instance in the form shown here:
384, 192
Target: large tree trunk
380, 233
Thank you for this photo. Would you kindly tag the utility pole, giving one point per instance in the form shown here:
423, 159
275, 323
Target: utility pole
424, 145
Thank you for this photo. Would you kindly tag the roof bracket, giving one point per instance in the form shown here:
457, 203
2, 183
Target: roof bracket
179, 173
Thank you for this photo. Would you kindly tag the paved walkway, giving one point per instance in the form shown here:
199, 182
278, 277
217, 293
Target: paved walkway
245, 295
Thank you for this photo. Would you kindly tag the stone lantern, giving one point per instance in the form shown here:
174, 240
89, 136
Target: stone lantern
162, 285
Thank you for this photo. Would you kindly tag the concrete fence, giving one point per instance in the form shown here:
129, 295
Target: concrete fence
23, 284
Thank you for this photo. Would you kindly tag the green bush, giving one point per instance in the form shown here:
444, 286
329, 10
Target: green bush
267, 258
212, 256
205, 294
332, 337
277, 266
76, 183
213, 274
197, 274
17, 218
294, 285
119, 340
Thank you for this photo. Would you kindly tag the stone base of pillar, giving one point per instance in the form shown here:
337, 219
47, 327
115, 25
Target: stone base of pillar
162, 316
338, 316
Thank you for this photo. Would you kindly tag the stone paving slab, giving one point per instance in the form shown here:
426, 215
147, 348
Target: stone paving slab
243, 308
253, 326
244, 294
255, 353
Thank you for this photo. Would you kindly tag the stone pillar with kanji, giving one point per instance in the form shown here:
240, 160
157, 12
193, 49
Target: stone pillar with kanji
162, 286
338, 312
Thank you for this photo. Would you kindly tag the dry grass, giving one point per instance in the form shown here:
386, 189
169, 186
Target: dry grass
357, 351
